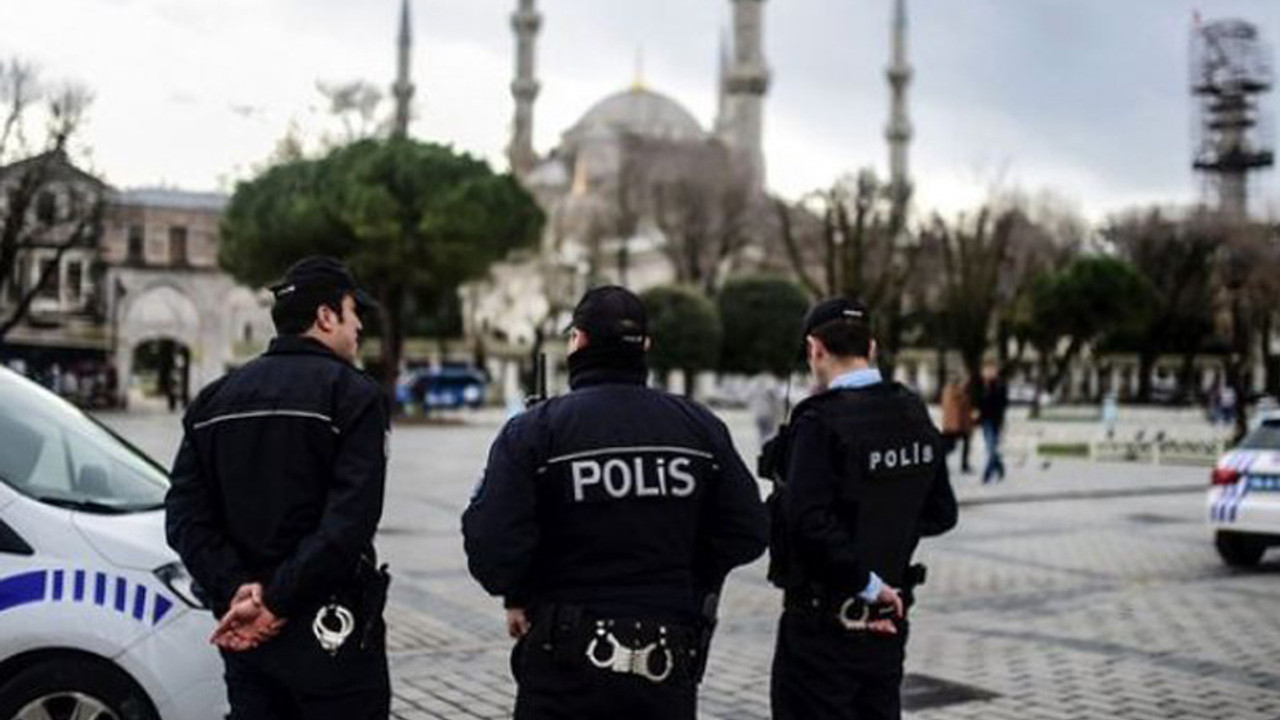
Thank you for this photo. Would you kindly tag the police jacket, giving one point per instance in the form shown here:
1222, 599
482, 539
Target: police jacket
615, 497
280, 477
865, 478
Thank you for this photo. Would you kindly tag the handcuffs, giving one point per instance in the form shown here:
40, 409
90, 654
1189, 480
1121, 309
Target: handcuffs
856, 614
634, 661
332, 626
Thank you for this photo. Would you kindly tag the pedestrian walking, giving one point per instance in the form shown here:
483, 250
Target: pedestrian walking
957, 418
277, 491
1110, 414
860, 477
993, 404
765, 401
608, 519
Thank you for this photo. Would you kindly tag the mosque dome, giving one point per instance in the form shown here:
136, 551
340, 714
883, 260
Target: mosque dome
642, 112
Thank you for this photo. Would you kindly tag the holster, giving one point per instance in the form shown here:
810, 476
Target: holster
374, 582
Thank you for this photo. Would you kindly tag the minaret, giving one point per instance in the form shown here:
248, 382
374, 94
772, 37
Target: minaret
722, 89
402, 90
746, 85
898, 131
526, 22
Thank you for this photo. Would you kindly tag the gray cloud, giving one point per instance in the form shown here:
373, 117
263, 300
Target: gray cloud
1088, 96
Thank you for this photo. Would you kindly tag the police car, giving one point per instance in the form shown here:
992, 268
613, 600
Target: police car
1244, 498
98, 619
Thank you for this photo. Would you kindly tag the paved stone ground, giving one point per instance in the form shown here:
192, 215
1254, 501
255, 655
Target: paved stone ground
1111, 604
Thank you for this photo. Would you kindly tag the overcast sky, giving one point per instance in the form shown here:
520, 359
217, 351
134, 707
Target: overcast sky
1085, 97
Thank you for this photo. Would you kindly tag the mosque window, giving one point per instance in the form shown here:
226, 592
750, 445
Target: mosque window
178, 246
75, 279
47, 208
137, 245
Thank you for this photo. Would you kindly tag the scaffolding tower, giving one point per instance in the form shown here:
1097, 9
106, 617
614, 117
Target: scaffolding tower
1231, 73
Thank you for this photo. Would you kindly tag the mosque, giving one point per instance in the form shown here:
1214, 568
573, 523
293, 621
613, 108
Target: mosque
610, 188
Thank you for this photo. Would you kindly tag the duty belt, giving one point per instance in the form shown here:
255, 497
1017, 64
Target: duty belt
851, 612
656, 651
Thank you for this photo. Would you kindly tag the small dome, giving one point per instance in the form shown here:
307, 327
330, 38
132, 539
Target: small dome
642, 112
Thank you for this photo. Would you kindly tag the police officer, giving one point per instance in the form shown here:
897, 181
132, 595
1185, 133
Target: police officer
863, 478
608, 519
277, 490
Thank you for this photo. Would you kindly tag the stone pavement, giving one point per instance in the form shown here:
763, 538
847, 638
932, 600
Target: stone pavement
1109, 605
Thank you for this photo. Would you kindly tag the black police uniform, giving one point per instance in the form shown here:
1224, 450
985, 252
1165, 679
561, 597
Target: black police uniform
279, 480
611, 514
864, 478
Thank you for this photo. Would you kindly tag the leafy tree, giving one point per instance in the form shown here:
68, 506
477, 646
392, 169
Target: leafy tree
1077, 306
685, 328
761, 317
414, 220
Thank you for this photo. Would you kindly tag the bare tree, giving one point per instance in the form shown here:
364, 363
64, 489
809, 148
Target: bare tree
27, 222
700, 199
1246, 293
851, 240
972, 256
355, 104
1175, 253
1052, 233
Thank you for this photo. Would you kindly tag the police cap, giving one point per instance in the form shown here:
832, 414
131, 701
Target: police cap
611, 313
318, 278
837, 308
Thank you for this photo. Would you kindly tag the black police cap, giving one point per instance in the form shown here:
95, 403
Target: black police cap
320, 275
611, 313
838, 308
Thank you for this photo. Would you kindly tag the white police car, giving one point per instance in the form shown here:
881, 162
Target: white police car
98, 620
1244, 498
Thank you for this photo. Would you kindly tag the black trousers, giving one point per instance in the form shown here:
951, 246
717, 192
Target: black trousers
548, 690
291, 677
823, 672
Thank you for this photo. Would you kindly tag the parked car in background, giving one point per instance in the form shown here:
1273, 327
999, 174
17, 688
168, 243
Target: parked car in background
98, 618
433, 388
1244, 497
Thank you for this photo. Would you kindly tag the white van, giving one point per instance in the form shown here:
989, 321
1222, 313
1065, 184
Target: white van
98, 619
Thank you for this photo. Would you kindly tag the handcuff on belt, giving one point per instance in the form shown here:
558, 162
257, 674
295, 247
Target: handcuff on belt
634, 661
332, 626
856, 614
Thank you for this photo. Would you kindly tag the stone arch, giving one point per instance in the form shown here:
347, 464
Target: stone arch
161, 311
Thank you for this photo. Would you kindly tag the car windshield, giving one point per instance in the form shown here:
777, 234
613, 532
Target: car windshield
1265, 437
52, 452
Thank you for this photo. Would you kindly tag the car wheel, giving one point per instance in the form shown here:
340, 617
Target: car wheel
62, 689
1239, 549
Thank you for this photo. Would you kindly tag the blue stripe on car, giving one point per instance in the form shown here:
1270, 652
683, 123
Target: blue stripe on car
163, 604
28, 587
140, 602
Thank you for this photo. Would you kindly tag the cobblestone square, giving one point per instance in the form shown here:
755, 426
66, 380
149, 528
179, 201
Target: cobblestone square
1109, 604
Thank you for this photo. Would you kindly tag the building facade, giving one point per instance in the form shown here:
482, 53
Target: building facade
141, 290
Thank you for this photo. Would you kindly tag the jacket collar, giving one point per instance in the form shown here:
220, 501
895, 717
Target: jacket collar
602, 366
300, 345
837, 391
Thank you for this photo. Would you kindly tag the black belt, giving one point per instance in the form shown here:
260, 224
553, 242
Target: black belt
657, 651
849, 611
